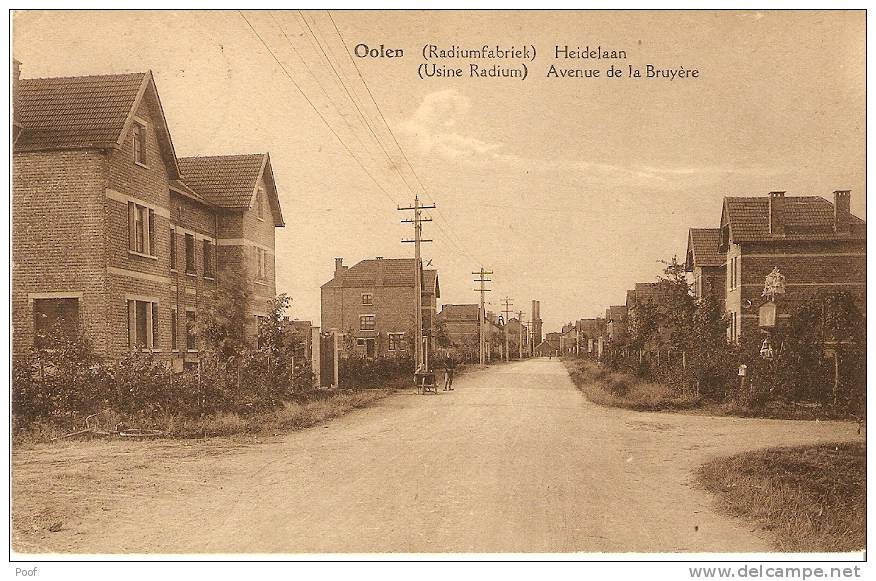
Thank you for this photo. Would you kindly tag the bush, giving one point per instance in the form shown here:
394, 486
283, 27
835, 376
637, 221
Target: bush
378, 372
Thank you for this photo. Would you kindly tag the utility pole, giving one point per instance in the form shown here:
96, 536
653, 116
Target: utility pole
420, 354
482, 347
507, 312
520, 335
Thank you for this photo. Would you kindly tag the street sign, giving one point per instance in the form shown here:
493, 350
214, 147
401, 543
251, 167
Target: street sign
767, 315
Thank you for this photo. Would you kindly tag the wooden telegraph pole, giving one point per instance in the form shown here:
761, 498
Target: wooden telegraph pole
520, 335
482, 347
420, 354
507, 312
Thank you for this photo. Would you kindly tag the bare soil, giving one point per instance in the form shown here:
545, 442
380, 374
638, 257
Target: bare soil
515, 459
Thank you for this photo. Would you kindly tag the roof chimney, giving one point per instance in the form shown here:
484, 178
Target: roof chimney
842, 211
339, 266
777, 205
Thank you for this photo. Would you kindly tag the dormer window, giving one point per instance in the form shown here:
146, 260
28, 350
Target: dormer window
260, 205
139, 133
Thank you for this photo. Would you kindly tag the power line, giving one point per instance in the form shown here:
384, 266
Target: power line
355, 103
306, 98
391, 133
318, 83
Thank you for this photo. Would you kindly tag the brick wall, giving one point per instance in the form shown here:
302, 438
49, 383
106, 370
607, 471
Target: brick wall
809, 268
57, 237
393, 309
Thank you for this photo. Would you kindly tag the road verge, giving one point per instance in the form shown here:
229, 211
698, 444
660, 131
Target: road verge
812, 498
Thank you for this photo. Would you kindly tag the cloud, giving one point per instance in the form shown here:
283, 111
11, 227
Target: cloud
437, 126
434, 126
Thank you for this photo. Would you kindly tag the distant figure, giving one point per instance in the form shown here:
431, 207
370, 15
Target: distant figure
449, 367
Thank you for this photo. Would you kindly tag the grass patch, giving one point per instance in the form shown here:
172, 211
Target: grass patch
304, 411
812, 497
616, 389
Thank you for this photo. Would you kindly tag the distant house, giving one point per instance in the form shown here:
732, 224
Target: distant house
590, 329
705, 262
817, 245
549, 346
117, 237
460, 324
373, 304
616, 323
518, 335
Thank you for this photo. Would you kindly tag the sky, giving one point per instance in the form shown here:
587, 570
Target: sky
570, 190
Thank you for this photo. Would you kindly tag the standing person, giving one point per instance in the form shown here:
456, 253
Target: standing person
449, 367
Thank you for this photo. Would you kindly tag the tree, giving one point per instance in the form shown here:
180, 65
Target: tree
221, 324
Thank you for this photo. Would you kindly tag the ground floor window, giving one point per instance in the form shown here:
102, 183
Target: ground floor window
55, 318
191, 343
142, 324
396, 341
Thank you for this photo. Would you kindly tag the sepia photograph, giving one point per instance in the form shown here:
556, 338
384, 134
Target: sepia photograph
419, 284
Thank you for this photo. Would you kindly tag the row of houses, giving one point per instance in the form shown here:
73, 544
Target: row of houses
117, 236
817, 245
371, 306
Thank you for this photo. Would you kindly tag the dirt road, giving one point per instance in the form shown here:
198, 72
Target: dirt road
514, 460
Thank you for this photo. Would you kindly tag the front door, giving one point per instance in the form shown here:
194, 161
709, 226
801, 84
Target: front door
370, 348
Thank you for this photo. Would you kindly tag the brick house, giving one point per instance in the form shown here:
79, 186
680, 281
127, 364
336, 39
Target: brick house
109, 236
373, 304
616, 324
460, 324
705, 263
816, 244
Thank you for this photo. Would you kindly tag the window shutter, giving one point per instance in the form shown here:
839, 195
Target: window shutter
132, 325
151, 237
153, 313
131, 226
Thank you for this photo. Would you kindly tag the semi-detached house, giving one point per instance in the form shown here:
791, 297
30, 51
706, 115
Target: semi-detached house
116, 236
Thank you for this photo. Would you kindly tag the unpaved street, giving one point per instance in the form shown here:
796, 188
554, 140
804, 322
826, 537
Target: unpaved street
514, 460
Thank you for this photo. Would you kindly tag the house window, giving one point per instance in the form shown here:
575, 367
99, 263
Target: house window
142, 324
141, 229
190, 254
367, 299
366, 322
395, 341
208, 259
55, 317
260, 205
173, 249
360, 342
191, 345
173, 330
139, 133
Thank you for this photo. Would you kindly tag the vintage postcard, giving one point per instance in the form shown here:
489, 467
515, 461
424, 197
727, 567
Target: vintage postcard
412, 283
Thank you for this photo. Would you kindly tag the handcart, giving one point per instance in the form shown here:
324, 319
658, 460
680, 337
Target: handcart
425, 382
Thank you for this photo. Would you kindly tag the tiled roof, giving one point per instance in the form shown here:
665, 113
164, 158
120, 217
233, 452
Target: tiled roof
459, 312
804, 217
225, 180
75, 112
388, 272
704, 243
